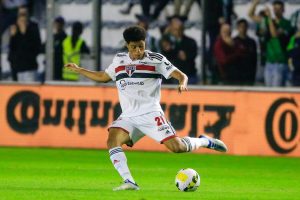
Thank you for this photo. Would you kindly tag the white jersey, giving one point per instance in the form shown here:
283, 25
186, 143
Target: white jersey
139, 81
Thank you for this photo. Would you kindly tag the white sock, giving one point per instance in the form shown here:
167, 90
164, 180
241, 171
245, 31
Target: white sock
119, 160
194, 143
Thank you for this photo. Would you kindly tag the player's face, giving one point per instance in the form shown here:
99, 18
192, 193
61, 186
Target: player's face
136, 49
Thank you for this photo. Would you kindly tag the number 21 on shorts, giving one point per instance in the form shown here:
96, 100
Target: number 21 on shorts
160, 120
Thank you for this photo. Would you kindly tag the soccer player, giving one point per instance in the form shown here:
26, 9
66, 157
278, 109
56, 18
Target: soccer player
138, 79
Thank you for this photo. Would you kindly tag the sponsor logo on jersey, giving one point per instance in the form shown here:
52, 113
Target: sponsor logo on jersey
130, 69
135, 83
163, 127
123, 83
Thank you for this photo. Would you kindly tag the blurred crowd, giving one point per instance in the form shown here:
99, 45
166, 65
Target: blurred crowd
25, 42
230, 60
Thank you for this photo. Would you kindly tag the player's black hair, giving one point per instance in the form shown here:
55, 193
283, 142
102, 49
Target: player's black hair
134, 34
242, 21
278, 2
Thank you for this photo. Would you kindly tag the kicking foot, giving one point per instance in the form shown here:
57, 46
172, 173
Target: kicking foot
127, 185
215, 144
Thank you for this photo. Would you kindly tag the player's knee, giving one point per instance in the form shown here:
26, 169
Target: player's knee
116, 138
175, 146
111, 142
176, 150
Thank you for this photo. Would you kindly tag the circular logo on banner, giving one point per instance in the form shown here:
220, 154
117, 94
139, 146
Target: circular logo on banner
23, 112
282, 125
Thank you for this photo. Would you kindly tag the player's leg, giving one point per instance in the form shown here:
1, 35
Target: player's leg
176, 145
116, 138
156, 126
187, 144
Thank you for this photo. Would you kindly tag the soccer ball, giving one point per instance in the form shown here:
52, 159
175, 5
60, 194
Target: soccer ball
187, 180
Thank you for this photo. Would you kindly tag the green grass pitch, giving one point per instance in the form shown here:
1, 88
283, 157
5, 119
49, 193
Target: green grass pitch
38, 174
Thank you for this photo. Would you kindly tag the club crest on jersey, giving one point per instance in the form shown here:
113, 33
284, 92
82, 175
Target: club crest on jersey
130, 69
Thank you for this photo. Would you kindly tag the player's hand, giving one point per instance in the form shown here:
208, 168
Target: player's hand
182, 87
73, 67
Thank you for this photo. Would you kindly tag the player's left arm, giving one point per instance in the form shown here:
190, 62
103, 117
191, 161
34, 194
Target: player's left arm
182, 79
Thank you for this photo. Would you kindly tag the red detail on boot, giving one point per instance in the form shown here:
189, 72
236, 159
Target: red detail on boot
116, 161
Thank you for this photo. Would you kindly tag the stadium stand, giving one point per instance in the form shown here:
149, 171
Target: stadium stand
113, 22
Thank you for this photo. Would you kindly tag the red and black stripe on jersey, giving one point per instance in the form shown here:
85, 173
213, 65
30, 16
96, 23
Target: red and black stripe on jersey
137, 75
138, 67
123, 74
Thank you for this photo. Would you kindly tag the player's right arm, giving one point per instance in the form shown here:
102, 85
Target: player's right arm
100, 76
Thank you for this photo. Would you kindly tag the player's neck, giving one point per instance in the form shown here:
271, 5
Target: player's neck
136, 58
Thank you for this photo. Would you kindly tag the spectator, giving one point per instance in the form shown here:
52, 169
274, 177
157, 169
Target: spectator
181, 49
248, 60
37, 10
261, 32
24, 46
73, 47
295, 17
212, 26
146, 8
9, 12
127, 10
151, 42
228, 11
8, 16
59, 36
294, 55
187, 8
261, 29
277, 37
168, 48
228, 53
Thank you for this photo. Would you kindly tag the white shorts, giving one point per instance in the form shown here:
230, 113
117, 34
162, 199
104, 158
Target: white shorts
153, 124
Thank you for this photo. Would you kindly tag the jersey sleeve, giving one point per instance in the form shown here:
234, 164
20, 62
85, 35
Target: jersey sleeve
110, 70
166, 68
